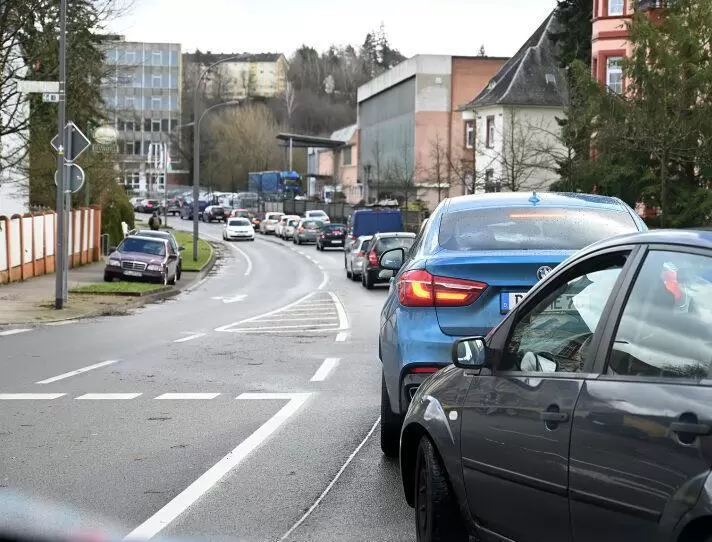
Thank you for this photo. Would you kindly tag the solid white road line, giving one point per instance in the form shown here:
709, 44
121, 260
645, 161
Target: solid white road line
17, 396
290, 317
247, 259
188, 396
343, 320
189, 337
13, 331
158, 521
61, 323
341, 337
108, 396
270, 313
331, 484
77, 372
325, 369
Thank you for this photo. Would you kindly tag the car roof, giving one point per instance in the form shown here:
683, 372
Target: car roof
146, 238
689, 238
538, 199
152, 233
394, 234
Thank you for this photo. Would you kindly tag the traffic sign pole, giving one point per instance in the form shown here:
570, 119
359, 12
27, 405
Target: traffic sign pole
69, 155
61, 252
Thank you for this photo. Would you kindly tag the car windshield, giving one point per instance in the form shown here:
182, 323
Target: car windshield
239, 222
316, 213
145, 246
334, 227
387, 243
293, 222
311, 224
530, 229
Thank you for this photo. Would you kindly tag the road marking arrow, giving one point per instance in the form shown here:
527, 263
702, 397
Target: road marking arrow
233, 299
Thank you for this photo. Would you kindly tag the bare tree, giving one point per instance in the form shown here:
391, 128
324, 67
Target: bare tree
377, 166
439, 170
290, 102
401, 172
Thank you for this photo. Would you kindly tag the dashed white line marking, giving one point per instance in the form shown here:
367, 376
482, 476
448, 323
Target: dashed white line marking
189, 337
171, 396
14, 331
341, 337
325, 369
332, 483
77, 372
19, 396
343, 320
108, 396
158, 521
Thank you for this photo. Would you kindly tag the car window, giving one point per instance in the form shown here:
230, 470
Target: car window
554, 334
145, 246
664, 330
239, 222
387, 243
512, 228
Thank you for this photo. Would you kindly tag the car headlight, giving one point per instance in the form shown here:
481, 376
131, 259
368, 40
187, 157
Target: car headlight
155, 267
116, 263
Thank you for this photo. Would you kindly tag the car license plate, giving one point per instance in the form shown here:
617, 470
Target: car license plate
509, 300
133, 273
336, 242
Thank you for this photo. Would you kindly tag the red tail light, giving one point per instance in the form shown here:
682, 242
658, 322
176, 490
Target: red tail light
423, 370
301, 230
359, 254
322, 236
373, 258
419, 288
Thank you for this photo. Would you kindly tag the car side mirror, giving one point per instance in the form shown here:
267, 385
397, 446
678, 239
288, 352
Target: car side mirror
469, 353
392, 259
181, 249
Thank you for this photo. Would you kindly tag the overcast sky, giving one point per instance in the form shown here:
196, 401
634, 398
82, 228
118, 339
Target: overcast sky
456, 27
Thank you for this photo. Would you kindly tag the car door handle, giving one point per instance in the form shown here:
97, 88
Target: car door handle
691, 428
553, 416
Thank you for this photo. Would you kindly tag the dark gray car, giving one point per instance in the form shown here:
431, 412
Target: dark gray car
586, 415
306, 231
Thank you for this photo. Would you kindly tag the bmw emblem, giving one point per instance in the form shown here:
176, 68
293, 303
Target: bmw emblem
543, 271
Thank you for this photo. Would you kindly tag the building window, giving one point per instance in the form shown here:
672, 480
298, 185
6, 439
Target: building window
155, 102
346, 156
490, 132
469, 134
614, 74
156, 58
156, 81
129, 102
155, 125
130, 57
616, 7
490, 184
136, 148
129, 126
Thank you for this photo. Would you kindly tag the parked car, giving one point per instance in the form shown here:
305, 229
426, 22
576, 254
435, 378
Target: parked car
168, 236
186, 212
269, 224
306, 231
356, 257
331, 236
215, 213
150, 205
371, 272
370, 221
279, 229
471, 264
317, 214
290, 227
173, 206
238, 228
589, 402
142, 258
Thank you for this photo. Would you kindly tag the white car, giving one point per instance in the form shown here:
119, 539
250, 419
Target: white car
270, 222
290, 226
279, 230
317, 214
238, 228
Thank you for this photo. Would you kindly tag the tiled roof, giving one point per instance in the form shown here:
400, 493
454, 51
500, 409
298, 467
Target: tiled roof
209, 58
531, 77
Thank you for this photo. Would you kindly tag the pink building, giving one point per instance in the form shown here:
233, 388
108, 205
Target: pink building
411, 137
341, 164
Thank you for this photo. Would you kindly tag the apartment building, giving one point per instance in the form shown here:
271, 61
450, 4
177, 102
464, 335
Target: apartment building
262, 75
409, 126
142, 97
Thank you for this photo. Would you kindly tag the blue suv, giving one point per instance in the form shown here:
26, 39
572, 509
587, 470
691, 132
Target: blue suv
470, 265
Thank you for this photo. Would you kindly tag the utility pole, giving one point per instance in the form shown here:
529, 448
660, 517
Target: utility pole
61, 255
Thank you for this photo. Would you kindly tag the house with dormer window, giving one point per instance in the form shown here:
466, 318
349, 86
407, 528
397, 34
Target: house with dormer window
516, 133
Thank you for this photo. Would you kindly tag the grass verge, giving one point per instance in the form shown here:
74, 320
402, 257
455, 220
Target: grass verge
118, 288
205, 251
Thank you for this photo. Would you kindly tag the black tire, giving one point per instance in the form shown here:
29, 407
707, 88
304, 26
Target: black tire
436, 511
173, 279
349, 274
367, 280
108, 278
391, 424
179, 272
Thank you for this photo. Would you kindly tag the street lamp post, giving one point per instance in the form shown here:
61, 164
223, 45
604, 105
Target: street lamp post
196, 148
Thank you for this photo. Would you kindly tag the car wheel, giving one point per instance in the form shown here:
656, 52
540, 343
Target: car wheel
179, 272
172, 281
436, 511
390, 424
349, 274
367, 280
108, 278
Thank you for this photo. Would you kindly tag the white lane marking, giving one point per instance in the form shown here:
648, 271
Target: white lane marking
247, 259
17, 396
158, 521
343, 320
231, 299
259, 330
270, 313
341, 337
324, 369
189, 337
290, 316
171, 396
331, 484
61, 323
108, 396
13, 331
77, 372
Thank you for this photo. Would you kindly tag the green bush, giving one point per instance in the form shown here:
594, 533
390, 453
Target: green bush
116, 208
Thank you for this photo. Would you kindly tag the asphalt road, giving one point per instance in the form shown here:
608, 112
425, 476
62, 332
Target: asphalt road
243, 409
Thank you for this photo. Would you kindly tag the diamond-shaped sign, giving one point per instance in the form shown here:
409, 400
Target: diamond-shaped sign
74, 139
